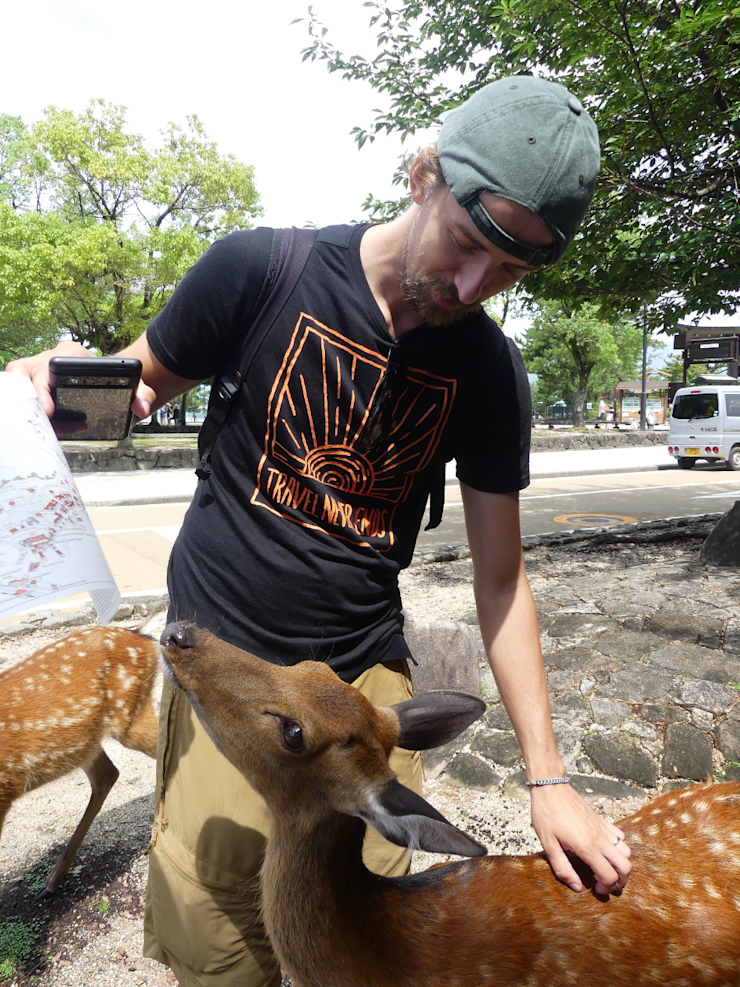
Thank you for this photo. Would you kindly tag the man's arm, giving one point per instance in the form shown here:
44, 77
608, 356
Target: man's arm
156, 387
508, 622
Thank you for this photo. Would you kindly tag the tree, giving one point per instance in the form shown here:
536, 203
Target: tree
574, 353
96, 230
674, 369
662, 80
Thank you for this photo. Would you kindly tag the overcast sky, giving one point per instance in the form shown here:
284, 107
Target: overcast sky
237, 65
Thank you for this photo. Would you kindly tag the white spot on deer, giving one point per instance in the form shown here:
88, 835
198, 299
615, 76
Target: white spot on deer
685, 817
711, 890
108, 643
653, 830
687, 794
70, 721
701, 966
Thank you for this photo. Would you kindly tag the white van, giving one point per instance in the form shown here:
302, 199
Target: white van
705, 424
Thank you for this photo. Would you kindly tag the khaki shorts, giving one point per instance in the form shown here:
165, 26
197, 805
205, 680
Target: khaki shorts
202, 910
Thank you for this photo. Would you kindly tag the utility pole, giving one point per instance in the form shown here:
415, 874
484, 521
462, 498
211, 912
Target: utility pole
643, 402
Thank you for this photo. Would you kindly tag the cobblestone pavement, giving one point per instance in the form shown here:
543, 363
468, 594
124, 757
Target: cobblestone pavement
642, 650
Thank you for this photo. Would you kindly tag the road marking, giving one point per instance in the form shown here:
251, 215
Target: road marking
600, 491
729, 493
594, 520
168, 531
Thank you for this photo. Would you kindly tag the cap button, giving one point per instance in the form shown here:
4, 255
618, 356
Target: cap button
575, 105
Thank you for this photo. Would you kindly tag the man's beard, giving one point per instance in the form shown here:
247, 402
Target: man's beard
418, 294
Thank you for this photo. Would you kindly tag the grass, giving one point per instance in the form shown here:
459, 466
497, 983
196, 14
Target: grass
17, 942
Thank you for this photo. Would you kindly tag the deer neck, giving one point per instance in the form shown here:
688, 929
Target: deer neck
314, 888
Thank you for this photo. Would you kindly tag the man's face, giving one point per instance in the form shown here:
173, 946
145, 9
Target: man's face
450, 268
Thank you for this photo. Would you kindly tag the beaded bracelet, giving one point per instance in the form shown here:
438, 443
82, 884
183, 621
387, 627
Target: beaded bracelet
548, 781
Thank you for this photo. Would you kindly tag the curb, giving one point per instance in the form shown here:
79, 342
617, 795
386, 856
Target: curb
664, 529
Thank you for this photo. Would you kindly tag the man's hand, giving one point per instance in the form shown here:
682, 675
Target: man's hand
564, 821
36, 368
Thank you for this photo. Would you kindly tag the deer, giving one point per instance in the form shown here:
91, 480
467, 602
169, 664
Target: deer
59, 705
317, 751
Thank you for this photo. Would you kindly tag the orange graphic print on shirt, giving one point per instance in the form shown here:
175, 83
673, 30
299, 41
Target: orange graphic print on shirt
311, 471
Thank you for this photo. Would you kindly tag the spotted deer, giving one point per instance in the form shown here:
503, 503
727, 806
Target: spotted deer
318, 751
60, 704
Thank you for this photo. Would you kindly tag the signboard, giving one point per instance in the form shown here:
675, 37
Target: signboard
703, 351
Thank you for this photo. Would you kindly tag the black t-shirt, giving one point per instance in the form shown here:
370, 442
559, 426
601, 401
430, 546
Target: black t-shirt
292, 548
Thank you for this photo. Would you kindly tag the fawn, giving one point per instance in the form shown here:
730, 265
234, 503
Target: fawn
57, 707
317, 751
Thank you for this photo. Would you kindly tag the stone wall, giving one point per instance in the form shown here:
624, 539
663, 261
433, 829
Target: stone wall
85, 458
126, 458
556, 440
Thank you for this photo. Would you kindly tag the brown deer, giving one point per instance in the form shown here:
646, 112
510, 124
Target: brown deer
60, 704
317, 751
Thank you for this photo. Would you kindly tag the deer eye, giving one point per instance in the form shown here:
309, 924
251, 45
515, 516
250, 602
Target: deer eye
292, 735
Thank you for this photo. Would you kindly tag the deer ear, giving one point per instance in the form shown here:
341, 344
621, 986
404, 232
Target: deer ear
406, 819
433, 718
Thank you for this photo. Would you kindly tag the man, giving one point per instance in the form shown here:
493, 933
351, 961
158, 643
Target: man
380, 366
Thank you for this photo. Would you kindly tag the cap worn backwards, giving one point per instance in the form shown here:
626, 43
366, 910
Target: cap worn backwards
528, 140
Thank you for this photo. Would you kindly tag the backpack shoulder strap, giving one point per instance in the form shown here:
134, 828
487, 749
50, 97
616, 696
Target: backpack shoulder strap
288, 256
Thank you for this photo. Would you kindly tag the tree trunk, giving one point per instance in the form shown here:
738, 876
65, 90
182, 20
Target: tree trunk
579, 400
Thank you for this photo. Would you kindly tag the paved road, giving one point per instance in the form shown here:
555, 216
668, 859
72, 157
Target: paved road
137, 515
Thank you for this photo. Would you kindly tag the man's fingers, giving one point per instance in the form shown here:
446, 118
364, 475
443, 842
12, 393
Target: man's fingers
562, 868
618, 855
143, 401
611, 866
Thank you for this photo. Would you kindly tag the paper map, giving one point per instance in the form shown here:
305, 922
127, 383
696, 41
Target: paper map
48, 548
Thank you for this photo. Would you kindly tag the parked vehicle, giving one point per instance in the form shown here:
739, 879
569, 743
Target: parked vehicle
705, 424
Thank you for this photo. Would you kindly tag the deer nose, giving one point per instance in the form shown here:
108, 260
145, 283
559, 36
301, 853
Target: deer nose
182, 634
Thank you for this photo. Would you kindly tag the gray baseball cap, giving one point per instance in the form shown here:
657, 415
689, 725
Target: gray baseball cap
528, 140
